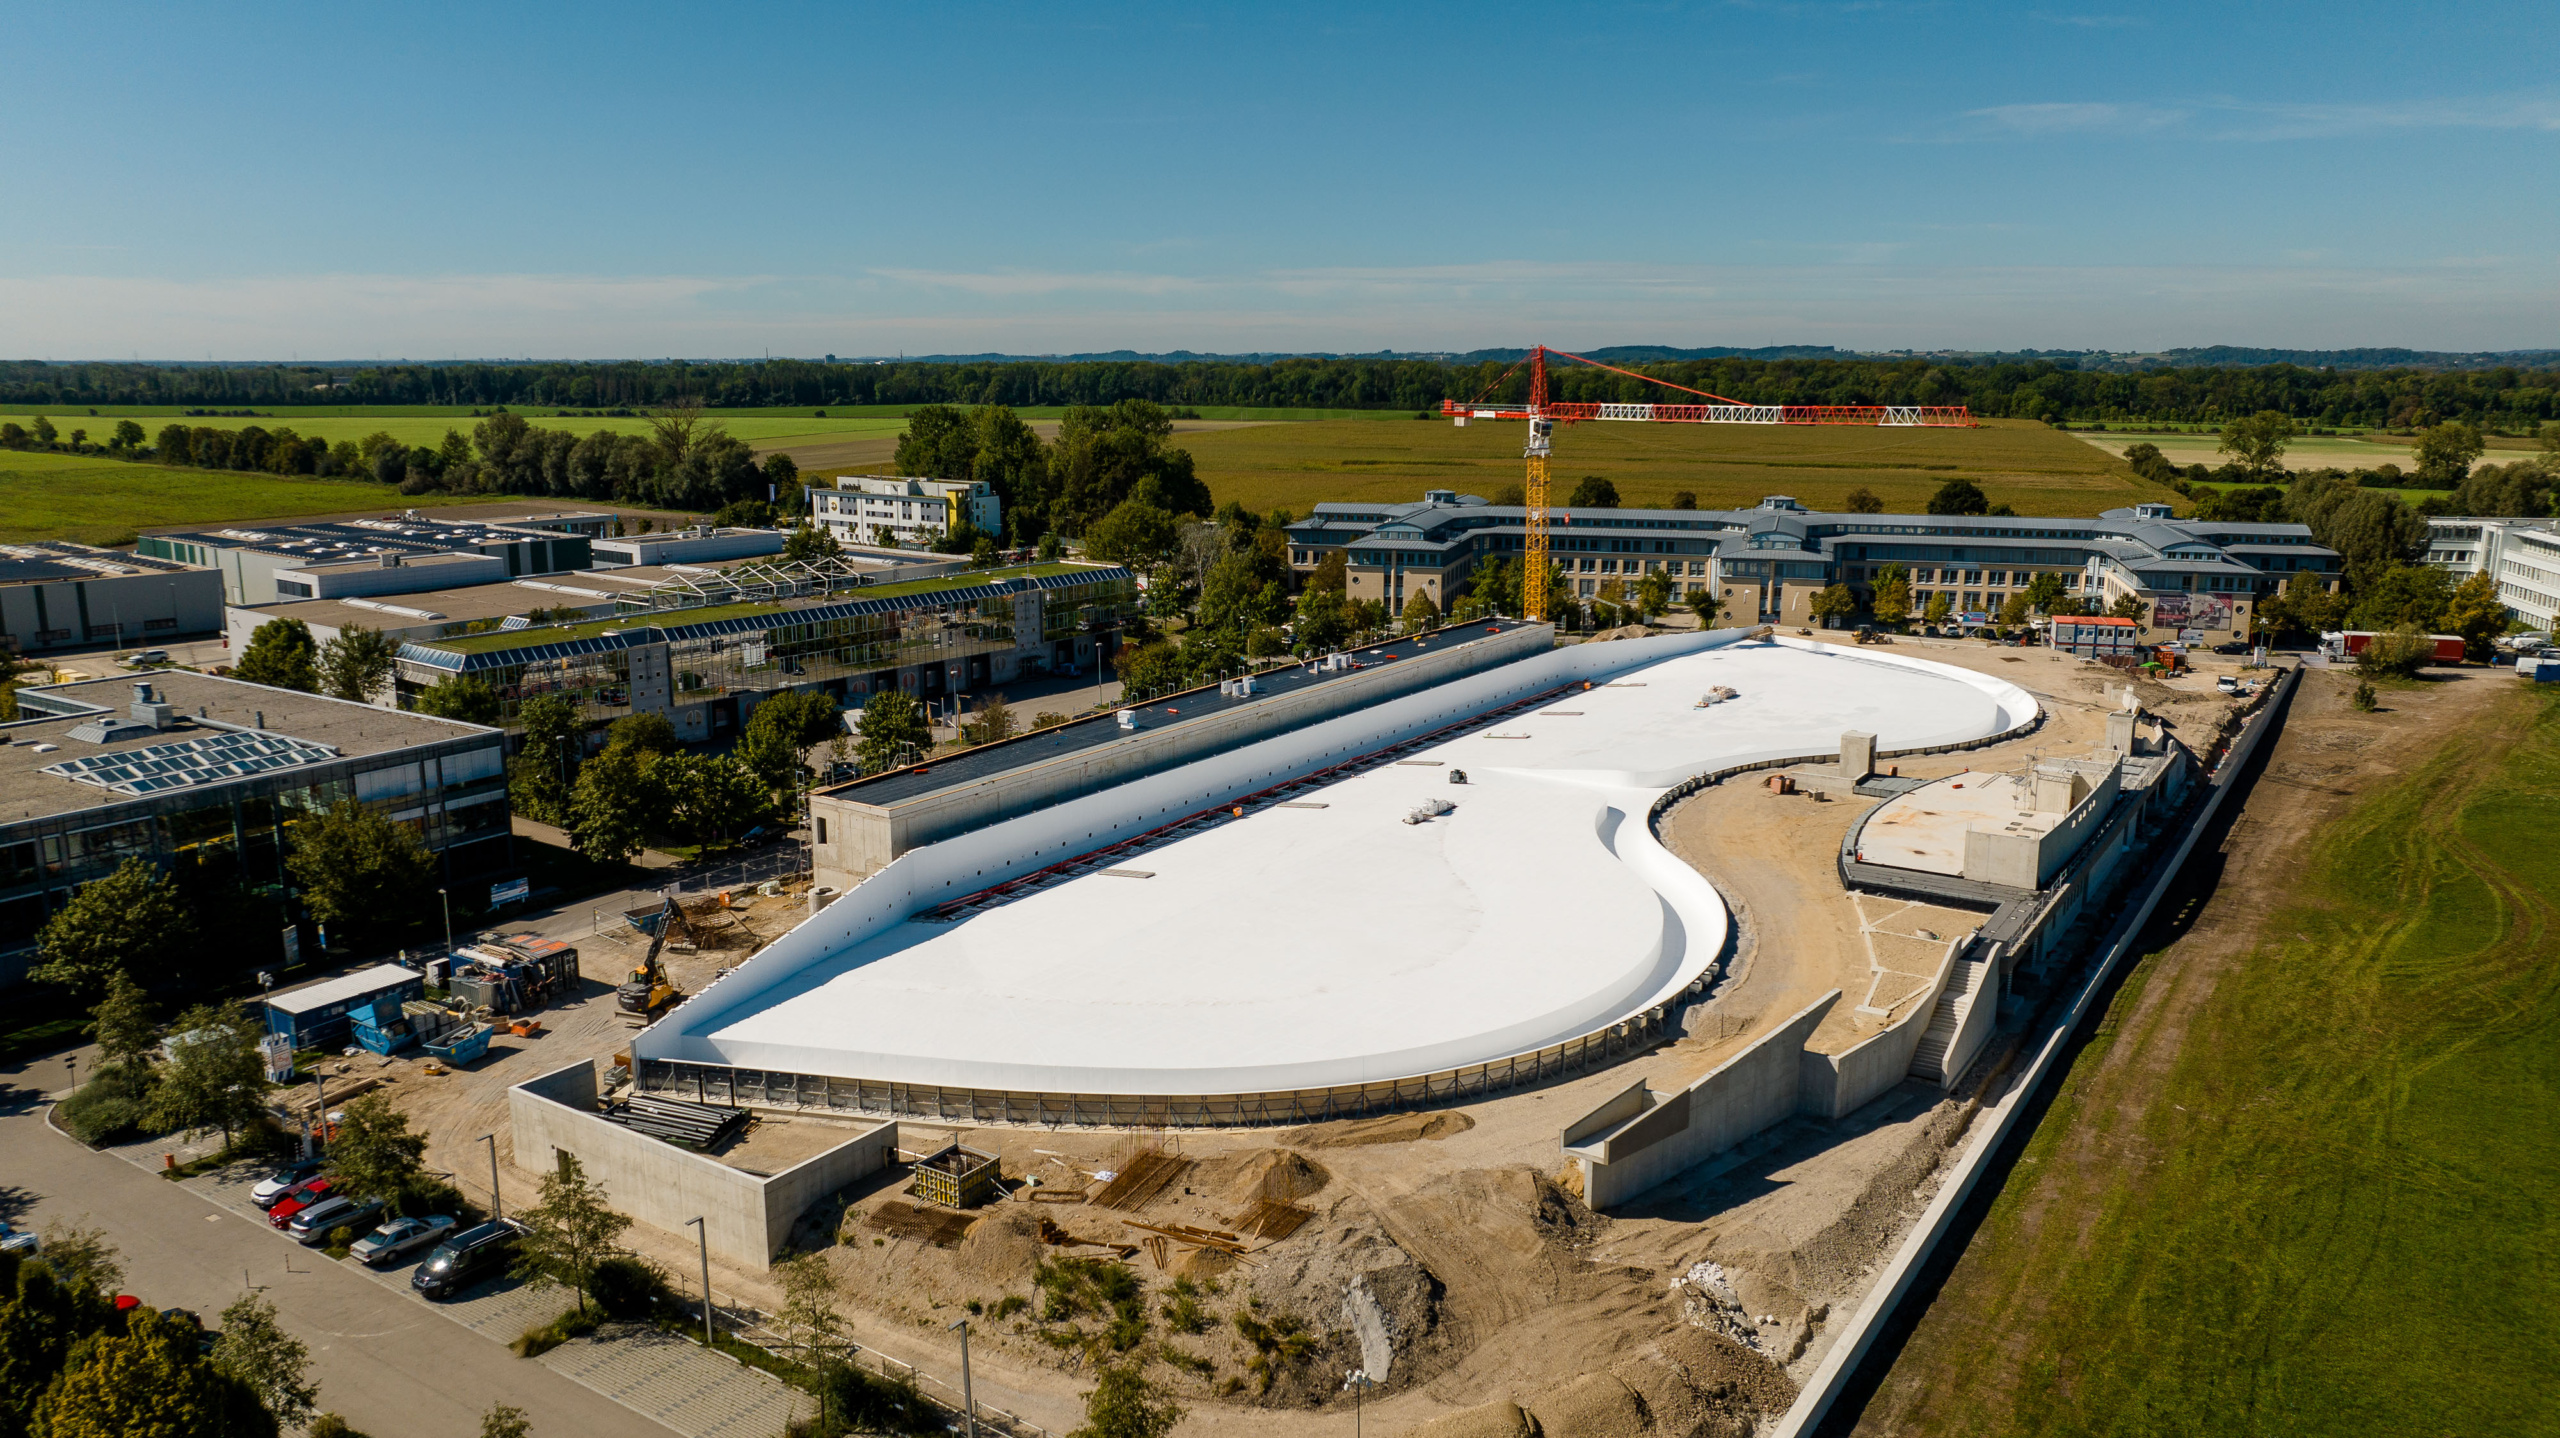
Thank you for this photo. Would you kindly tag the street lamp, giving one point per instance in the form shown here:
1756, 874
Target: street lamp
497, 1205
968, 1398
703, 1231
448, 921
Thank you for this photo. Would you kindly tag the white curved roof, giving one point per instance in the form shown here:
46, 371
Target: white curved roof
1303, 947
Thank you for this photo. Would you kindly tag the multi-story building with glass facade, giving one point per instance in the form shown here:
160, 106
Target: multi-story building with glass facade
706, 668
1767, 563
207, 777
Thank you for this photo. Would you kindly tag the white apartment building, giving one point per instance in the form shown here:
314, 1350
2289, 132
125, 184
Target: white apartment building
2522, 555
914, 512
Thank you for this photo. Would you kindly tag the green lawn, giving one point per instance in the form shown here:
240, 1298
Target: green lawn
411, 428
104, 501
2339, 1213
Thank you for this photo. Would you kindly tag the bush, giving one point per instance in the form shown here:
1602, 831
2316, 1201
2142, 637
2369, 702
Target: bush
852, 1399
534, 1342
330, 1425
108, 1107
2364, 701
2396, 653
423, 1194
630, 1288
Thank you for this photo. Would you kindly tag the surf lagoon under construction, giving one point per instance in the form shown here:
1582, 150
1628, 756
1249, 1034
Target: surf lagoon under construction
1451, 890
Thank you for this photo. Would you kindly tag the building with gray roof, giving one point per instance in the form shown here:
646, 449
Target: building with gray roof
207, 777
1768, 562
56, 596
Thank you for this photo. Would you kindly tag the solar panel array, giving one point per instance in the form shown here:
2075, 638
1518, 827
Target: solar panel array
184, 765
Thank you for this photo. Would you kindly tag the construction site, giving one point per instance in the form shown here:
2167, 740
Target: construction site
1577, 1069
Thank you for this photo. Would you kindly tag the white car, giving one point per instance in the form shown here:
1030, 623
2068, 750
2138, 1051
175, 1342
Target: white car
18, 1240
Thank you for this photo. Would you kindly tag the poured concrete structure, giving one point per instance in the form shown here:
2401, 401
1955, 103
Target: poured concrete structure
748, 1217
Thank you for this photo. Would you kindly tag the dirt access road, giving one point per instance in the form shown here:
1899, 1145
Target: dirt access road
1986, 1344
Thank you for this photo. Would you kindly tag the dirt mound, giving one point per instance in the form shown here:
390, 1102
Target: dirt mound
1241, 1179
1501, 1418
1003, 1247
1595, 1405
1392, 1128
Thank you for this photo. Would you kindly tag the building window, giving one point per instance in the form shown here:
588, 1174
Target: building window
822, 831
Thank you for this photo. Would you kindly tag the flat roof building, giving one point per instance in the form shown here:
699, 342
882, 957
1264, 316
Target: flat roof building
905, 510
2521, 555
324, 559
707, 665
56, 595
208, 776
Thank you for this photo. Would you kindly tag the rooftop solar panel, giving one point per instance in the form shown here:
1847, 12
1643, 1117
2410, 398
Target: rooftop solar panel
190, 762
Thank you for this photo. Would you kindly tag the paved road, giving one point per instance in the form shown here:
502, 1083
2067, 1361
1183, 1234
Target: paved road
395, 1368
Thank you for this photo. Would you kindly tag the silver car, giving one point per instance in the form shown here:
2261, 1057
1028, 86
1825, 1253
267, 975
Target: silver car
401, 1237
312, 1226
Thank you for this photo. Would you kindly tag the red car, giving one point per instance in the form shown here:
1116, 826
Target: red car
297, 1198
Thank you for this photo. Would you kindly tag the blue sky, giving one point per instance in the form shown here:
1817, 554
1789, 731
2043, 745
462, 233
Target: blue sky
635, 180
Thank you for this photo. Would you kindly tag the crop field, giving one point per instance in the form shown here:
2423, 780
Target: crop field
2300, 1180
106, 501
2035, 469
2311, 451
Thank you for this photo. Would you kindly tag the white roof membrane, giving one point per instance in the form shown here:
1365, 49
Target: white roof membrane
1305, 947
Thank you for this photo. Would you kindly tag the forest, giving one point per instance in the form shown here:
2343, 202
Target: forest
2502, 398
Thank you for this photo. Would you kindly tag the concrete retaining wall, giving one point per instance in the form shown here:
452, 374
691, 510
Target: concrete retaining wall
747, 1218
1673, 1133
1837, 1085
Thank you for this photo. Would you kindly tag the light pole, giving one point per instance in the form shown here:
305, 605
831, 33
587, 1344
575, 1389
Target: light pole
497, 1206
1358, 1382
968, 1399
703, 1232
447, 900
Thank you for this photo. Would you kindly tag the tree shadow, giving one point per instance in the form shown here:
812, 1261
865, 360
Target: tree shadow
15, 1203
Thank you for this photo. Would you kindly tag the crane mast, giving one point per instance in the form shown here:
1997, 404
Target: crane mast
1544, 414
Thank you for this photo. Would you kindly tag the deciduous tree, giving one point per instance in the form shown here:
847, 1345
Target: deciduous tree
1834, 602
1862, 500
1892, 601
1593, 492
214, 1078
131, 922
256, 1352
893, 724
360, 871
2476, 613
281, 654
1419, 612
569, 1232
460, 696
609, 810
357, 664
1959, 496
2445, 452
122, 1022
375, 1153
546, 759
2257, 443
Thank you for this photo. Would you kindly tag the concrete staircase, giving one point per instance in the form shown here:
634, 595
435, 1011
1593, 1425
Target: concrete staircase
1946, 1021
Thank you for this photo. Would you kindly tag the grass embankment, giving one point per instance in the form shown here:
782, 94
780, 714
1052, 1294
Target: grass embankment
2334, 1214
107, 501
2035, 469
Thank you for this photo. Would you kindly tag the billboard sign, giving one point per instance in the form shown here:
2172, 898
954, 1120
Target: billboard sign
513, 891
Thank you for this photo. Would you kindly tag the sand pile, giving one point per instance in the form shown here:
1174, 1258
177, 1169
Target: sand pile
1001, 1248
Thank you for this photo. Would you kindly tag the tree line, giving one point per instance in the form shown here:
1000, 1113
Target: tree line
2505, 396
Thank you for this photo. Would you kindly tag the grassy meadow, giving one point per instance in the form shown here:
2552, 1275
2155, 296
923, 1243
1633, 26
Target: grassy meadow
2035, 469
2333, 1213
108, 501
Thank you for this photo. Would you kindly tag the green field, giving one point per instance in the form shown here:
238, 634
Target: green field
105, 501
2035, 469
2332, 1211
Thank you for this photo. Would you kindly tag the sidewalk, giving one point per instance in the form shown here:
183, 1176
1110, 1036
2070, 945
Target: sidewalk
688, 1389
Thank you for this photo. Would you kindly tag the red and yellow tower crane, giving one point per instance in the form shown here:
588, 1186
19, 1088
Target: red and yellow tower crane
1544, 414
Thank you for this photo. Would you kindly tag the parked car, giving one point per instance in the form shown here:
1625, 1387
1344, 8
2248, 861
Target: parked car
401, 1237
273, 1186
466, 1258
141, 657
18, 1240
312, 1227
2236, 646
297, 1198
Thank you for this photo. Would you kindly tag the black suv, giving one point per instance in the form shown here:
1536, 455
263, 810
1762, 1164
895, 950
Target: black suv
466, 1258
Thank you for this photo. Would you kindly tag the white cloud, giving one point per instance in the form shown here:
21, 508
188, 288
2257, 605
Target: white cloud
2079, 117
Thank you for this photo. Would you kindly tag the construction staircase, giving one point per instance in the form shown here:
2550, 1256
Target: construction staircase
1946, 1021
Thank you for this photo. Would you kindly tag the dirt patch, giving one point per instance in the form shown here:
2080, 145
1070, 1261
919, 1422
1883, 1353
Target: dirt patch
1003, 1247
1246, 1178
1392, 1128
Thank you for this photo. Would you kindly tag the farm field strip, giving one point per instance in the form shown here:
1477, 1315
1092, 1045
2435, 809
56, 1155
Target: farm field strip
430, 430
2297, 1180
102, 501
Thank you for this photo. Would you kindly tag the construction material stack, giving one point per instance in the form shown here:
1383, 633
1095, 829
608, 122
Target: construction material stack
955, 1177
698, 1126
